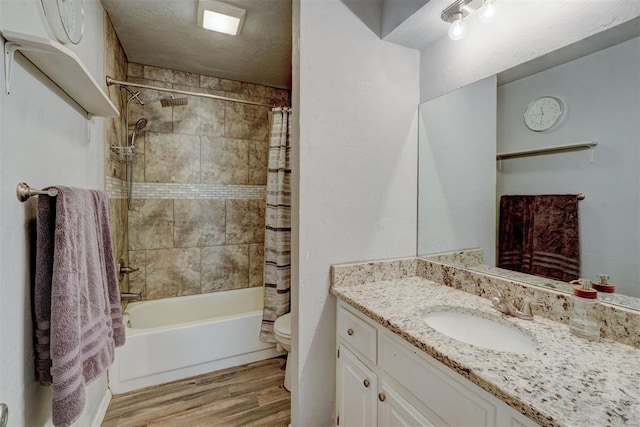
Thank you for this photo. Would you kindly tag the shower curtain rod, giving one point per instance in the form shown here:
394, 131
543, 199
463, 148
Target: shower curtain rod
111, 81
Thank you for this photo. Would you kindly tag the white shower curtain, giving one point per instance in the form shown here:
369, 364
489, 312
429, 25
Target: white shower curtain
277, 238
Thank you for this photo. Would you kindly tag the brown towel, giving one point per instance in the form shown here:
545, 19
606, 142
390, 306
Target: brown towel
540, 235
515, 217
76, 297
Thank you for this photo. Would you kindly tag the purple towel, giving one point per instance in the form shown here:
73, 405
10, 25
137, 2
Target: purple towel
76, 299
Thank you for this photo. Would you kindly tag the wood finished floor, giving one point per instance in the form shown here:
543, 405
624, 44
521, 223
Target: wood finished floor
247, 395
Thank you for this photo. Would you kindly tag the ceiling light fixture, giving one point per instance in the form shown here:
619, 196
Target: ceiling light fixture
460, 9
488, 11
458, 28
217, 16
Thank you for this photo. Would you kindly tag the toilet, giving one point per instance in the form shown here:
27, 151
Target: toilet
282, 332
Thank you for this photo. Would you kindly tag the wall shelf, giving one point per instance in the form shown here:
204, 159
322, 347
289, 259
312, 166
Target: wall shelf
62, 67
586, 145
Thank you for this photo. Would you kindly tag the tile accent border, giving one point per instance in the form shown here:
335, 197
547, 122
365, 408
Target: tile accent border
116, 188
146, 190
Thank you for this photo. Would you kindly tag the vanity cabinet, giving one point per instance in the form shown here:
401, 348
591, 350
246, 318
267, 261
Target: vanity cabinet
382, 380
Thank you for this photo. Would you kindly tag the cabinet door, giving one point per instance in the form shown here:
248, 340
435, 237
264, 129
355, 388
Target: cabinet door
357, 388
394, 411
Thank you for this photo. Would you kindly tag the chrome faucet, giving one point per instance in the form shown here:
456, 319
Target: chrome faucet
505, 306
128, 296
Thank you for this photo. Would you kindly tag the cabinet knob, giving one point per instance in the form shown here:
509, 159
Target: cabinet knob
381, 397
349, 331
366, 383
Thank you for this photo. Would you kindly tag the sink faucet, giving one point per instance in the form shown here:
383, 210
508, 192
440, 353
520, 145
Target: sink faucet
505, 306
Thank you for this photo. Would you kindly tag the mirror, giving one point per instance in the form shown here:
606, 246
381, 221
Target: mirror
461, 181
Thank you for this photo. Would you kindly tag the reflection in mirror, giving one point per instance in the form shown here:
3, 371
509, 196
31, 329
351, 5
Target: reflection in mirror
461, 183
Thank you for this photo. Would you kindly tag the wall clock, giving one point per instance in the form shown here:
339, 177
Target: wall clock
543, 113
66, 19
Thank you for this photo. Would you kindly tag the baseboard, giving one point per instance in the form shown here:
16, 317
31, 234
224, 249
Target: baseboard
102, 410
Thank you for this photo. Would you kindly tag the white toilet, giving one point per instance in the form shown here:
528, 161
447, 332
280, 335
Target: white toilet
282, 332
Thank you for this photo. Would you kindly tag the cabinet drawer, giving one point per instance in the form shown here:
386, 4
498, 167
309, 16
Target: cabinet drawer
447, 401
357, 333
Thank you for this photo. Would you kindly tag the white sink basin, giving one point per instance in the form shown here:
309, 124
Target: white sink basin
480, 331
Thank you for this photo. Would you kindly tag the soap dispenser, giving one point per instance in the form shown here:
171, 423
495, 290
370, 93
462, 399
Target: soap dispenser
584, 318
606, 290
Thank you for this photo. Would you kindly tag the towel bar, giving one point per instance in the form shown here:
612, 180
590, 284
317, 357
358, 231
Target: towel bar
24, 192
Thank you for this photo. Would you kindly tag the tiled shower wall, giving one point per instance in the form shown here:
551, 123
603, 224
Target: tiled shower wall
197, 220
116, 67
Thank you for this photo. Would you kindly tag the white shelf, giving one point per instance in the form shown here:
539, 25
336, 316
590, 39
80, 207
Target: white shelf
62, 67
586, 145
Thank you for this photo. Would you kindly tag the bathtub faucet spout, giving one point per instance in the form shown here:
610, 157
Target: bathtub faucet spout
129, 296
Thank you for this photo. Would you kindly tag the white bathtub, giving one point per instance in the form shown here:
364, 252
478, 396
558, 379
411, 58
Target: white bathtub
176, 338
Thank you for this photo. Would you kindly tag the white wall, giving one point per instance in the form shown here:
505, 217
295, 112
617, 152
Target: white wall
525, 30
395, 12
43, 141
601, 93
358, 100
292, 358
457, 174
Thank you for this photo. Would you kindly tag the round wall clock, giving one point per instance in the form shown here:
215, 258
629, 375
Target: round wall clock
66, 19
543, 113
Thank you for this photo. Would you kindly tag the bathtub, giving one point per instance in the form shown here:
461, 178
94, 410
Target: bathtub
176, 338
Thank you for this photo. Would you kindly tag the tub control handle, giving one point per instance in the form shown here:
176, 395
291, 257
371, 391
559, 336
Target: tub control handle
349, 331
124, 269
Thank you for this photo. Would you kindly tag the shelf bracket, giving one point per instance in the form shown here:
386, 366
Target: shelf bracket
10, 49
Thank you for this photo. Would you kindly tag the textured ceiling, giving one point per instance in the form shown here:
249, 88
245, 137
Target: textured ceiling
164, 33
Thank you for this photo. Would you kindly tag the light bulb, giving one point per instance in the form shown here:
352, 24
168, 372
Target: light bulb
458, 28
488, 11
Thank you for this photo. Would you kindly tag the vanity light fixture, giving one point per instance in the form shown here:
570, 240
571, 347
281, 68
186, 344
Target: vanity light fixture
488, 11
217, 16
458, 28
460, 9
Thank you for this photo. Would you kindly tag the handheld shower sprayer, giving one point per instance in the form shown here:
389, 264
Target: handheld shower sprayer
140, 124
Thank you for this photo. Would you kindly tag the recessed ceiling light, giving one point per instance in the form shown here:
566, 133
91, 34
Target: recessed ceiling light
221, 17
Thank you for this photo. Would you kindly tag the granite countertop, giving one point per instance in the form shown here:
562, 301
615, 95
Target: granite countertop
614, 298
566, 381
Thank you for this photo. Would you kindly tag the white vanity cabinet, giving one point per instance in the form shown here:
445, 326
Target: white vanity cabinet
384, 381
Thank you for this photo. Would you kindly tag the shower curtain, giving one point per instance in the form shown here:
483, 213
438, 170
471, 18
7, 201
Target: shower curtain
277, 238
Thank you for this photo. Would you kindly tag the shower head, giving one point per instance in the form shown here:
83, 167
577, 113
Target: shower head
140, 124
174, 102
168, 101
